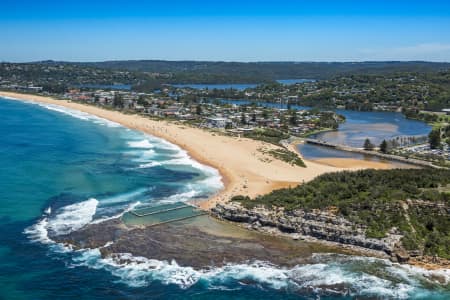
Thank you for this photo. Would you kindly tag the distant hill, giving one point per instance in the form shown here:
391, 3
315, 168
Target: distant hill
257, 72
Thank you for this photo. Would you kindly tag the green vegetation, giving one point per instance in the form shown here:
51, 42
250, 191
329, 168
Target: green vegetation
368, 145
57, 77
258, 72
268, 135
287, 156
434, 138
148, 75
378, 199
384, 148
408, 90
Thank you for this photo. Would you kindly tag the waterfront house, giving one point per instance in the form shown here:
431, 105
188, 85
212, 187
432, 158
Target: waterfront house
216, 122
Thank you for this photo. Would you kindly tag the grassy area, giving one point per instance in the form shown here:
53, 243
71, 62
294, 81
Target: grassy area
317, 132
272, 136
376, 199
287, 156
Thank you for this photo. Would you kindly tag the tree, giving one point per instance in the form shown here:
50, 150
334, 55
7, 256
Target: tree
198, 110
293, 119
141, 100
118, 101
384, 146
434, 138
243, 119
368, 145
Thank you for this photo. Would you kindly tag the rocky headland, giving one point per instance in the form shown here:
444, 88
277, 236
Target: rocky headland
323, 225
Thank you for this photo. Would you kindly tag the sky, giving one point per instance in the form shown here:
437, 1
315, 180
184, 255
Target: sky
319, 30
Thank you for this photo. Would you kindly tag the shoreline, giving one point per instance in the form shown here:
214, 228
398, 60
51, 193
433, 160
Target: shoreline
326, 228
348, 164
262, 182
243, 167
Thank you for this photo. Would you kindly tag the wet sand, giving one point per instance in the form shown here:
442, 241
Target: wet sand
352, 163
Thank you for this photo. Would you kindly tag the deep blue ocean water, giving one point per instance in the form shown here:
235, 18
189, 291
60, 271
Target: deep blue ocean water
60, 170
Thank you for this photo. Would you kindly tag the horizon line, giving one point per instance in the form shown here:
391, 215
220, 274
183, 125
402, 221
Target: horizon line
224, 61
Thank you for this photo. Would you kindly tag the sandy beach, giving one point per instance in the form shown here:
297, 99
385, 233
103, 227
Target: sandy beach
245, 169
353, 163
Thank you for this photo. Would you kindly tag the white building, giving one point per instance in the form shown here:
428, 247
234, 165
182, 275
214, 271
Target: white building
217, 122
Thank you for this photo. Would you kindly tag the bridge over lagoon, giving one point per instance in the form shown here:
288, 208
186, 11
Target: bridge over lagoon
391, 157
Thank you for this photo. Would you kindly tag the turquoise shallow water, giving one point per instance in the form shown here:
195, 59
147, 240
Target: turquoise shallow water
61, 170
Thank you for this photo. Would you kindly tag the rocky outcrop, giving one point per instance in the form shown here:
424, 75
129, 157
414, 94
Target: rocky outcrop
322, 225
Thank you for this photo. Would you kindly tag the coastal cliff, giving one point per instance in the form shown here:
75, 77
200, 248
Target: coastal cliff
403, 213
320, 224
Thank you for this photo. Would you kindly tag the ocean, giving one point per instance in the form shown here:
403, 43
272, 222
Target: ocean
63, 169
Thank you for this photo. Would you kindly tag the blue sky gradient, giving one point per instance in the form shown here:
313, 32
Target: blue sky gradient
231, 30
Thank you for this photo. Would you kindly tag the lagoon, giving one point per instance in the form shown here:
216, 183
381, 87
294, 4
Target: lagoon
358, 125
62, 169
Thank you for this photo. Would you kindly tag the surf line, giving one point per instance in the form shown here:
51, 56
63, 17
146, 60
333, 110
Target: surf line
134, 212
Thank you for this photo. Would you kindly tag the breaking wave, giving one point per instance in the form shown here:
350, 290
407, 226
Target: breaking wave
144, 148
65, 220
325, 275
149, 165
140, 144
337, 278
77, 114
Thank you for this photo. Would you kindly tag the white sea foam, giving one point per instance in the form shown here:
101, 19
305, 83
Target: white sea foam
180, 157
141, 144
142, 156
38, 232
123, 198
48, 211
73, 113
323, 275
334, 275
128, 209
326, 276
318, 277
432, 275
72, 217
181, 197
213, 182
339, 274
214, 179
149, 165
163, 144
139, 271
